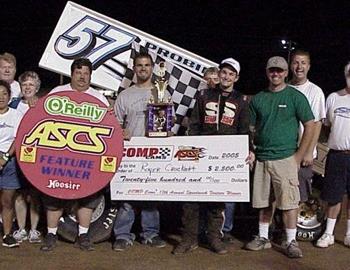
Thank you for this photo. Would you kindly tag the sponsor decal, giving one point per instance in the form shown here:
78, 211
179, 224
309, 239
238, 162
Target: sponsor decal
189, 153
75, 137
139, 153
227, 120
64, 106
53, 184
210, 119
28, 154
108, 164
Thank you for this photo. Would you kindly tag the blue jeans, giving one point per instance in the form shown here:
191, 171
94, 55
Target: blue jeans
126, 217
229, 213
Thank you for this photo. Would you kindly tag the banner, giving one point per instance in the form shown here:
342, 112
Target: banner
81, 32
69, 145
184, 168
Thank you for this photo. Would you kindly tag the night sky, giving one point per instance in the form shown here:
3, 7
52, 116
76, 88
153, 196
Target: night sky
249, 31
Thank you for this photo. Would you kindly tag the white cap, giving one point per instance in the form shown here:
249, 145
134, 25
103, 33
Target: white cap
232, 63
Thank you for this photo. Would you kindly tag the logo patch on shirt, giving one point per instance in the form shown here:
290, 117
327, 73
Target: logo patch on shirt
282, 106
210, 119
342, 112
227, 120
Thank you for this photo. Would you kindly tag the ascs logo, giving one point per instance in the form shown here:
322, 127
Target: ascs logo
140, 153
190, 153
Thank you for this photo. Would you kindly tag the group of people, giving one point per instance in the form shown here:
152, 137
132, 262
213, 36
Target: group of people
14, 99
283, 122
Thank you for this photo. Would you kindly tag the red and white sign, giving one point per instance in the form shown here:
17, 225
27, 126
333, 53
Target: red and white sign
69, 145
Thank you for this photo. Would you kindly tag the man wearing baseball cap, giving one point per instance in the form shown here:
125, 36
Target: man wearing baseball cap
233, 65
223, 111
275, 114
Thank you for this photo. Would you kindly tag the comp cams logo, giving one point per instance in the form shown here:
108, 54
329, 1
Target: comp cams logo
163, 152
190, 153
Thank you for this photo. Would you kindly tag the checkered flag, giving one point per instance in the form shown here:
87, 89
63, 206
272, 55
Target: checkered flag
164, 152
182, 84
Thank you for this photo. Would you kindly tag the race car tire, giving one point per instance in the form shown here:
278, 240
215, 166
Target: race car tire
311, 220
101, 225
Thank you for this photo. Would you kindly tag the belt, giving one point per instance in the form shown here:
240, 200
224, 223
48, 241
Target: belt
347, 152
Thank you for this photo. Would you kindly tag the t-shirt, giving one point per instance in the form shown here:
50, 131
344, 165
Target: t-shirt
90, 91
15, 90
315, 96
9, 122
22, 107
132, 103
338, 118
276, 117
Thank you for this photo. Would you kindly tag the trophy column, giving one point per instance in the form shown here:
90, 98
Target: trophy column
159, 109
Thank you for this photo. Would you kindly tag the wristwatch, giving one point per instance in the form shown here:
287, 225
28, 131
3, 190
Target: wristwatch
6, 156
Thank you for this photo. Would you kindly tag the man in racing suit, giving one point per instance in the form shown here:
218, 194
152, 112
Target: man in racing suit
220, 111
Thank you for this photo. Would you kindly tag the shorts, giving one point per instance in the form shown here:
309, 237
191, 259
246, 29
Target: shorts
276, 180
54, 204
8, 175
337, 177
305, 179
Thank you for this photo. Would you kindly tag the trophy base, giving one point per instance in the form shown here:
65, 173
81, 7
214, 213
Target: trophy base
156, 134
159, 120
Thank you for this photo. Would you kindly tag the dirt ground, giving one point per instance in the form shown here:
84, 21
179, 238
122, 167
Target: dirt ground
65, 256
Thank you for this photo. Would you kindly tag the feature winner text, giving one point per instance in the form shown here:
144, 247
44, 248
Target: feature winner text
59, 166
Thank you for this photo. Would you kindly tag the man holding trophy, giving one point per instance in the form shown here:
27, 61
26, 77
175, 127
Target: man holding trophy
144, 109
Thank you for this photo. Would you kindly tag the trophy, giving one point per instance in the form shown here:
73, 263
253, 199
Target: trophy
159, 107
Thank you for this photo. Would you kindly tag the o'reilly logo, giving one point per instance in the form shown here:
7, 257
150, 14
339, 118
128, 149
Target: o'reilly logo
56, 105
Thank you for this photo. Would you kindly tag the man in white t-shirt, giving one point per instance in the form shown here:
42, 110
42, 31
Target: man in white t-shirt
81, 70
8, 72
337, 175
300, 66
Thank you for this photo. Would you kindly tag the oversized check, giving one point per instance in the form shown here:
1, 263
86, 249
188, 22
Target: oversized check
188, 168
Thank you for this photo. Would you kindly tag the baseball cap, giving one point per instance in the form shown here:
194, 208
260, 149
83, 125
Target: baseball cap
232, 63
277, 62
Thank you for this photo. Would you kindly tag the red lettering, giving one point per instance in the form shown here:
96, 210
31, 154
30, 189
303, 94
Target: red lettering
140, 152
153, 151
187, 154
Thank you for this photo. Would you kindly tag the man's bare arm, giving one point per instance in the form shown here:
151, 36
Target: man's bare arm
308, 158
306, 140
